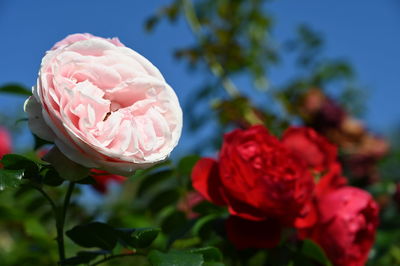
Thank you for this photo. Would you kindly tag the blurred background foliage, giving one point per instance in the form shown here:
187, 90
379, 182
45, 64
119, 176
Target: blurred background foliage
234, 42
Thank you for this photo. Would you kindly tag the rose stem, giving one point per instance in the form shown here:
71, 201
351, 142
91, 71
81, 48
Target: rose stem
60, 221
55, 211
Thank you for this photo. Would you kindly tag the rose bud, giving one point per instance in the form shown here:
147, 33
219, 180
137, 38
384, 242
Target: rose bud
346, 225
321, 111
103, 179
330, 115
104, 105
353, 128
312, 101
256, 176
5, 143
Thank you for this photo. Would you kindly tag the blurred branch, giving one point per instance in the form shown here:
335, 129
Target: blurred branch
215, 66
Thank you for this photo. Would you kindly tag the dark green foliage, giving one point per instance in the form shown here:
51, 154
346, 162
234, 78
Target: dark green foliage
178, 258
15, 89
106, 237
200, 256
92, 235
84, 257
137, 238
10, 178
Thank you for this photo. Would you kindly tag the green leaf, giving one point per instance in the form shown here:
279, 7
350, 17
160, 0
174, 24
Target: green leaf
186, 164
15, 89
50, 176
165, 198
176, 226
35, 229
138, 237
315, 252
151, 23
206, 207
176, 258
143, 237
209, 253
152, 180
95, 234
18, 162
104, 236
173, 222
204, 225
186, 242
84, 257
35, 204
10, 178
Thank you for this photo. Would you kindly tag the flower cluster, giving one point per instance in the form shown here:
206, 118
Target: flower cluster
361, 149
269, 184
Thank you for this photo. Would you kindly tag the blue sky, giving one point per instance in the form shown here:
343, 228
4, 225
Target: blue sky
365, 32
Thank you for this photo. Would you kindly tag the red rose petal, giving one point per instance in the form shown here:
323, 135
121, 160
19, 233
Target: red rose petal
5, 142
317, 151
346, 228
332, 180
206, 180
103, 178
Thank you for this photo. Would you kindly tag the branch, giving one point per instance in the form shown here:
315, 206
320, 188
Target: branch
61, 221
212, 62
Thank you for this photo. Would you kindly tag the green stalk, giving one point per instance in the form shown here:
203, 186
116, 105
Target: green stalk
60, 222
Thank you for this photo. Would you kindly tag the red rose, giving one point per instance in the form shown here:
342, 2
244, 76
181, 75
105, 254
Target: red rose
256, 176
346, 225
312, 147
5, 142
329, 182
332, 180
103, 179
261, 177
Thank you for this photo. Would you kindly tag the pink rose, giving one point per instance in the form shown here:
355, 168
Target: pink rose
104, 105
70, 39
